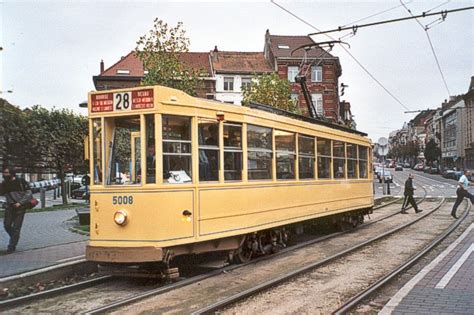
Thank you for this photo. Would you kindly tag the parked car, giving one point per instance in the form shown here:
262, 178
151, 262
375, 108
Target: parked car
434, 170
3, 203
399, 167
406, 165
388, 177
448, 173
80, 193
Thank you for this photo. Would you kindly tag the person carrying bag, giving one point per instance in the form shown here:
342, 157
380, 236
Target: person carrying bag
18, 198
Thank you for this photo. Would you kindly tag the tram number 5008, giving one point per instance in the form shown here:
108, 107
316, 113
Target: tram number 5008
122, 200
122, 101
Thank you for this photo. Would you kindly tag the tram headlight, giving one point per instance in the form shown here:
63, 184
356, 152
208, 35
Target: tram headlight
120, 217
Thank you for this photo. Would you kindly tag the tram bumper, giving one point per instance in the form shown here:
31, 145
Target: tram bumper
124, 254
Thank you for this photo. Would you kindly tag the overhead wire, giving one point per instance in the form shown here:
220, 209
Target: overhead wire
348, 52
431, 45
375, 14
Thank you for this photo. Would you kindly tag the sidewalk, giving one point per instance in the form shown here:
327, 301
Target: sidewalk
45, 240
445, 286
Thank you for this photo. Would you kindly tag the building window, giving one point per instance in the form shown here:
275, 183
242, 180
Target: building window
324, 158
260, 152
246, 82
316, 74
351, 160
339, 159
295, 98
292, 73
362, 162
208, 134
123, 72
317, 99
306, 156
285, 150
176, 149
232, 151
228, 83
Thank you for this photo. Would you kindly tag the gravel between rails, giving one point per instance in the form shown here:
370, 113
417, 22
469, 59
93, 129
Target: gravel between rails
194, 296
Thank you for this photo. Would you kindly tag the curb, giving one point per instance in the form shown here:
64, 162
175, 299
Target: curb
55, 272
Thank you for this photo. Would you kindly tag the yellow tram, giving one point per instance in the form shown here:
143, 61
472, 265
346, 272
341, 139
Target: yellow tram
173, 174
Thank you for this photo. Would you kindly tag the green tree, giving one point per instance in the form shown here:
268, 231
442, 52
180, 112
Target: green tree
58, 138
432, 151
15, 139
269, 89
159, 51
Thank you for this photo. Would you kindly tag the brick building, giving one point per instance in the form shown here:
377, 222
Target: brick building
322, 71
223, 73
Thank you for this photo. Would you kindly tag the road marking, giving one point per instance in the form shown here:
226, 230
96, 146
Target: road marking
398, 297
454, 269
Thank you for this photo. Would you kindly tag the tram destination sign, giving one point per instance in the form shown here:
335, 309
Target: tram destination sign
122, 101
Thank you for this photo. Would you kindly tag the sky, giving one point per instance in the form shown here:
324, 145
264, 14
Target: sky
51, 49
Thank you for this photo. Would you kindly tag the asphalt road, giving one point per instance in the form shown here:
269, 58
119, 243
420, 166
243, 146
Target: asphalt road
435, 185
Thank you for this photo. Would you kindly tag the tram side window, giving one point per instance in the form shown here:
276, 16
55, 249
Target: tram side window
306, 156
97, 150
176, 149
324, 158
232, 151
351, 160
339, 159
150, 149
260, 152
363, 162
124, 160
208, 150
285, 154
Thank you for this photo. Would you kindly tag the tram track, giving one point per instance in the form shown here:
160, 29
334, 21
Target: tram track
221, 304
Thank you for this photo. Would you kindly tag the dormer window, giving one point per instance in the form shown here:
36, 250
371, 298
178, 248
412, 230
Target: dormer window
282, 46
123, 72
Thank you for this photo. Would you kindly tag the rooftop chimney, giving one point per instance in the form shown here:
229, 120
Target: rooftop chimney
101, 66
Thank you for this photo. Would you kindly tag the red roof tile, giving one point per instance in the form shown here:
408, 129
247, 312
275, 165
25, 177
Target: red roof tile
293, 42
239, 62
195, 60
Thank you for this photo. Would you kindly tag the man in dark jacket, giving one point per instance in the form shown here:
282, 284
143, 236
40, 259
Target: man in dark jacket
409, 191
18, 196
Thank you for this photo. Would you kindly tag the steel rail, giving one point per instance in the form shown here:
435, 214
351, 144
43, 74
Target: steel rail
355, 300
53, 292
271, 283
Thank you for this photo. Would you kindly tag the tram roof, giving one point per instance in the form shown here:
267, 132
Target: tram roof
277, 111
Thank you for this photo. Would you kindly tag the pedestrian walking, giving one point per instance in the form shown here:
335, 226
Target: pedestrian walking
18, 196
409, 191
461, 192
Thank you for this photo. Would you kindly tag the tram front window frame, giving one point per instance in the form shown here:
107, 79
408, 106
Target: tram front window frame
351, 150
233, 153
209, 157
259, 152
123, 150
285, 149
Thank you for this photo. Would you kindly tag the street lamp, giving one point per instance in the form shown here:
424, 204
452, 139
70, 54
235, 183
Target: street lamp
83, 104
